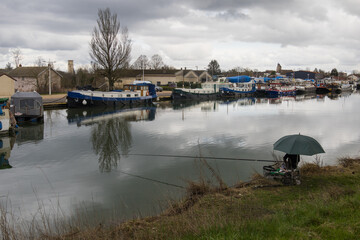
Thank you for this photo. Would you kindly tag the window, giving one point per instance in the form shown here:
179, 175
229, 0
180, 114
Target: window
27, 104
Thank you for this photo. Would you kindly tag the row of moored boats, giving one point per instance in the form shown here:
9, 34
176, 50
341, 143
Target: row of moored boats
243, 86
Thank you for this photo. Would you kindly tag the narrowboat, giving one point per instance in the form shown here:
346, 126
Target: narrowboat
208, 90
277, 90
138, 93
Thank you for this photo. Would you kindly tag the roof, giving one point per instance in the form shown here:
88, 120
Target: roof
157, 75
29, 71
26, 95
185, 72
136, 72
1, 74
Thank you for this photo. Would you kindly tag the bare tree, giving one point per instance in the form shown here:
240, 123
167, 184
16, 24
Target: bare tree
156, 62
8, 67
142, 62
109, 48
39, 62
17, 55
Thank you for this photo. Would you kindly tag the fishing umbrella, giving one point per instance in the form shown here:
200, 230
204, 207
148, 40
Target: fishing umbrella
298, 144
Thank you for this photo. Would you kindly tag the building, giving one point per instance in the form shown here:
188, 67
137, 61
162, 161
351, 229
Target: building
7, 85
160, 77
36, 79
301, 74
193, 76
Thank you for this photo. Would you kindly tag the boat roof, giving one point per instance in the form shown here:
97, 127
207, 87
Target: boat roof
26, 95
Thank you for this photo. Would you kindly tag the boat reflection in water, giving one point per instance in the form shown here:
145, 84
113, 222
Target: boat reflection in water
110, 130
6, 145
30, 132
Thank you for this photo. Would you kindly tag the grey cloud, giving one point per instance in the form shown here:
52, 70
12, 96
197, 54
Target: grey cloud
231, 15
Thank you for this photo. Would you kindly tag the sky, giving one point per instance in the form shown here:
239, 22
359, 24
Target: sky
255, 34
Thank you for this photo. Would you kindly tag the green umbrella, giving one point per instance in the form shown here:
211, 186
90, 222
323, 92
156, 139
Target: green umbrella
298, 144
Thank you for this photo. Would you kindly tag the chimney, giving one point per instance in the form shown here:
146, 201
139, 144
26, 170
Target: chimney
71, 67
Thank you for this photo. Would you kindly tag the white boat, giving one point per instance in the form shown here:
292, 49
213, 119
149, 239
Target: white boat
240, 89
208, 90
346, 87
5, 124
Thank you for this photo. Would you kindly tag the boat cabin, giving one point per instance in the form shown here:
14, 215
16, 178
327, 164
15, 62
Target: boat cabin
144, 88
27, 106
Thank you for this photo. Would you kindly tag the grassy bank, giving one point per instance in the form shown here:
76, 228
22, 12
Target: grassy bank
325, 206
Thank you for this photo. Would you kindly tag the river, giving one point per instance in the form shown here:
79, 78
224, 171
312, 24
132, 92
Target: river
101, 162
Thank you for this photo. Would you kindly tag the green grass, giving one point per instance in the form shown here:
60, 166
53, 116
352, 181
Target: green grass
325, 206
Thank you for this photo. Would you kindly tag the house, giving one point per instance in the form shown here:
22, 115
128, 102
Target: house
7, 84
36, 79
160, 77
353, 77
192, 76
157, 77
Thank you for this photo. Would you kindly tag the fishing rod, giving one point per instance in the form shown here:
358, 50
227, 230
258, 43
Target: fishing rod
212, 158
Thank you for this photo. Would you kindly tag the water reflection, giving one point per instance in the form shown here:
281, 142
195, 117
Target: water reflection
6, 145
30, 132
110, 131
106, 136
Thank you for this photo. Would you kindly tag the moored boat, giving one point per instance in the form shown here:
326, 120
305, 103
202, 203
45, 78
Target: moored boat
5, 124
240, 86
305, 87
27, 106
208, 90
277, 89
138, 93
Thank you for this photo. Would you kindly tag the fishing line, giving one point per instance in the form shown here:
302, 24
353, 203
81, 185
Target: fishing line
152, 180
213, 158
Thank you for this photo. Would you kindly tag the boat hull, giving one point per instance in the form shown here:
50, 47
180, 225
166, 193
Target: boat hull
275, 93
183, 95
228, 92
75, 99
5, 125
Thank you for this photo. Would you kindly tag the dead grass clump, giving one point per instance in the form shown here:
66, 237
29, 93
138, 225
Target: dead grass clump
336, 192
310, 168
198, 188
259, 180
348, 162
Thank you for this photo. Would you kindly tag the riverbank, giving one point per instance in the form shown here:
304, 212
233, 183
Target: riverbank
325, 206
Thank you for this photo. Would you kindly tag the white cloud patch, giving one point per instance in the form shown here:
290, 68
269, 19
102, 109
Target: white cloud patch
258, 34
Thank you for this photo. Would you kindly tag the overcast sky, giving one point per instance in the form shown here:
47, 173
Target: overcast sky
258, 34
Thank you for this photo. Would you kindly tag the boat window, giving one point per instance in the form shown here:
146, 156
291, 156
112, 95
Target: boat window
103, 95
136, 95
27, 103
128, 95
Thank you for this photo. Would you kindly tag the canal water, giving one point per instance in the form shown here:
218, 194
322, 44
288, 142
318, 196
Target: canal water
104, 163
